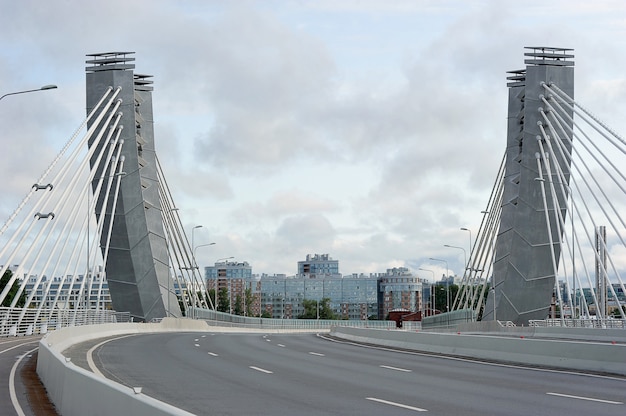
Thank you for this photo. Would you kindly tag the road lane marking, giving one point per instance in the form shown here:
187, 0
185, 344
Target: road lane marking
197, 345
268, 340
196, 340
91, 363
281, 345
404, 406
316, 353
261, 370
12, 394
583, 398
212, 354
396, 368
18, 345
472, 360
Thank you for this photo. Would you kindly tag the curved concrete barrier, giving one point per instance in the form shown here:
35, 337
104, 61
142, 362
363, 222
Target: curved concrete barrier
76, 391
603, 357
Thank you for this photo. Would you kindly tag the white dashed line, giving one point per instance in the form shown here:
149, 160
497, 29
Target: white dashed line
261, 370
583, 398
212, 354
396, 368
404, 406
316, 353
281, 345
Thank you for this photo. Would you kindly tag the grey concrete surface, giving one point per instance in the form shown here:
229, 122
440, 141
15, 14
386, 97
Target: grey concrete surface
11, 350
245, 374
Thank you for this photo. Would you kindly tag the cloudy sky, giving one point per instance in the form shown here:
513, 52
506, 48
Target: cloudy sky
371, 130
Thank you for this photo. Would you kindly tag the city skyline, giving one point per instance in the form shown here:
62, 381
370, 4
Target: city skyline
369, 130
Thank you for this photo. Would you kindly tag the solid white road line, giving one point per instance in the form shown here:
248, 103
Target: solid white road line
404, 406
90, 361
17, 346
261, 370
14, 401
396, 368
583, 398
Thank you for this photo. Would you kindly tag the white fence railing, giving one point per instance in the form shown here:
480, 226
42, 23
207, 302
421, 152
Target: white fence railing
19, 321
581, 323
225, 319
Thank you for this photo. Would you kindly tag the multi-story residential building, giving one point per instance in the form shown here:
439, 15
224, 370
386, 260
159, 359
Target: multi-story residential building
355, 296
236, 278
69, 293
318, 265
350, 298
399, 289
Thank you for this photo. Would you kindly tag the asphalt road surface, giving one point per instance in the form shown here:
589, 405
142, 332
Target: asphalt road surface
21, 392
254, 374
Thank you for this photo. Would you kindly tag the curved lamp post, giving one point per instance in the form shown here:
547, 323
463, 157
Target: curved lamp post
45, 87
432, 295
447, 283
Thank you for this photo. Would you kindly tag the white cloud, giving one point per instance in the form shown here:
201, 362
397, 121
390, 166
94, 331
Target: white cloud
369, 130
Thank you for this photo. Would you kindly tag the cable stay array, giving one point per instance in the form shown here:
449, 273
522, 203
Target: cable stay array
584, 196
53, 242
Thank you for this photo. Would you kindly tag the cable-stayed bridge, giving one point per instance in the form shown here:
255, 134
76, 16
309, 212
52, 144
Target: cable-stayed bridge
551, 243
552, 240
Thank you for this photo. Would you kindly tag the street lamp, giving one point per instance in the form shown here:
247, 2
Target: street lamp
465, 265
447, 283
194, 256
432, 295
470, 240
201, 245
192, 245
45, 87
460, 248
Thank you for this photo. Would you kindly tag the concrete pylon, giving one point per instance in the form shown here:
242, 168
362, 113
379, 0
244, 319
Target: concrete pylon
524, 273
137, 267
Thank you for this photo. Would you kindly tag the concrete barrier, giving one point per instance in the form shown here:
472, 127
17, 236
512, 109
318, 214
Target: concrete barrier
604, 357
75, 391
78, 392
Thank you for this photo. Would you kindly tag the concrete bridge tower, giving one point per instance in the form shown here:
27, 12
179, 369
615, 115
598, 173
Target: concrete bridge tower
524, 272
137, 267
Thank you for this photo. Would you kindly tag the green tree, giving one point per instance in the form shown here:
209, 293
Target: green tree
441, 295
238, 309
311, 309
13, 291
223, 304
249, 301
212, 297
616, 314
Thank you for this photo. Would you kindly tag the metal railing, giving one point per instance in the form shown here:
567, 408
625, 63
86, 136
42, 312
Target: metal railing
215, 318
580, 323
18, 321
